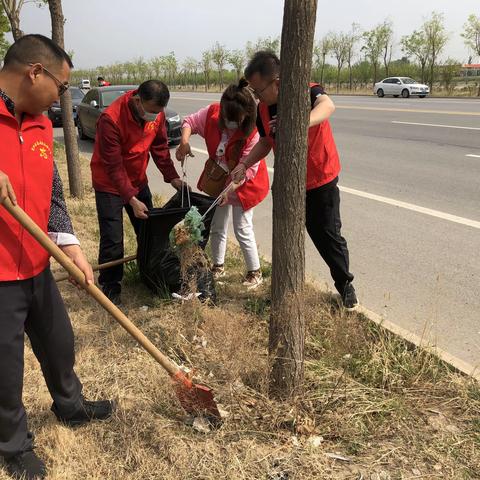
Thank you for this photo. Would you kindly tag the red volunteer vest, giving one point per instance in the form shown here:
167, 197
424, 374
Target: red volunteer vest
26, 156
253, 191
323, 163
136, 143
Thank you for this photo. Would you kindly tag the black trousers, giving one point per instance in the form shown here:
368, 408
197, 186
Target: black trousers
34, 307
324, 225
110, 219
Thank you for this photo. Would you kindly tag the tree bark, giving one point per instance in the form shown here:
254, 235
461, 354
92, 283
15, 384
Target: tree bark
287, 323
338, 76
432, 68
75, 180
14, 20
323, 69
12, 9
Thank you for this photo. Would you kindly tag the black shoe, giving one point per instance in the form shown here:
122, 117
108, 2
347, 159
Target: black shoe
100, 410
349, 297
113, 295
25, 466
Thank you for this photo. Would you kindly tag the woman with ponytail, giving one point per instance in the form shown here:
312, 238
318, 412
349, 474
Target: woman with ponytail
230, 134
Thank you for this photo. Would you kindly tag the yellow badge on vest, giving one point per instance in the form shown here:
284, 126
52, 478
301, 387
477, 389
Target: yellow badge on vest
44, 151
149, 126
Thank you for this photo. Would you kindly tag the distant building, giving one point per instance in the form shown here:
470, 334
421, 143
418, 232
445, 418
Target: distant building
470, 70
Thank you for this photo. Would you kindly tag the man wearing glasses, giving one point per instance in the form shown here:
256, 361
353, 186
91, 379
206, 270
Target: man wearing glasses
34, 75
323, 166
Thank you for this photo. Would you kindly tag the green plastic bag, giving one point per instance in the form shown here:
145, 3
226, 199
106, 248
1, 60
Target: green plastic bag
189, 231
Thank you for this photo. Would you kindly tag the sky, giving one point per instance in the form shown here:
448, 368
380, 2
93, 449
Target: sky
101, 32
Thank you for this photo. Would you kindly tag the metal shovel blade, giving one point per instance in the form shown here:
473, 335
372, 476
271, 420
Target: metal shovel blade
196, 399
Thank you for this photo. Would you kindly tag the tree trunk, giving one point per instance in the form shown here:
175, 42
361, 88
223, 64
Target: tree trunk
75, 180
287, 323
323, 69
14, 19
432, 66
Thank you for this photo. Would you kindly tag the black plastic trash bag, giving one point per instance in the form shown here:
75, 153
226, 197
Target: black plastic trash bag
158, 264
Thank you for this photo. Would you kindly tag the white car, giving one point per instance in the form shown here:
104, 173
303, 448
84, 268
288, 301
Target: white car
403, 86
84, 84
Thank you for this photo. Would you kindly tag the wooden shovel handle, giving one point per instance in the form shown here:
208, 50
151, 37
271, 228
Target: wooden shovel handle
102, 266
43, 239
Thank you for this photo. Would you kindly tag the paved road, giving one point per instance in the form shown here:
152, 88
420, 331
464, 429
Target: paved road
410, 207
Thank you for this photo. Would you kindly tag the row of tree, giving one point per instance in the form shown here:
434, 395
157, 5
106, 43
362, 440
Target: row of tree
210, 70
352, 59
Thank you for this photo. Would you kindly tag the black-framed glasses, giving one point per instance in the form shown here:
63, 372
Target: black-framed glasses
62, 86
257, 93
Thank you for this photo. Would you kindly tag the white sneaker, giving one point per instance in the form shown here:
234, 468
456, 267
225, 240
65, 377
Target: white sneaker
253, 279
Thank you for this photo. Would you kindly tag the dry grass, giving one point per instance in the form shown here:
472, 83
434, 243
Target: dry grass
390, 411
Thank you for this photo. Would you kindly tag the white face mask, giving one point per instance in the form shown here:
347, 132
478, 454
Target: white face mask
150, 117
231, 125
147, 116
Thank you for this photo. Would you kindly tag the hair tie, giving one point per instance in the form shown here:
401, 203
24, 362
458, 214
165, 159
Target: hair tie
242, 83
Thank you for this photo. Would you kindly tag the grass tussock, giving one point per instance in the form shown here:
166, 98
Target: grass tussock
373, 407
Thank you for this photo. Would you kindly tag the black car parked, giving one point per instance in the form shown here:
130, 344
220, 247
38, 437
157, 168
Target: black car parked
55, 111
98, 99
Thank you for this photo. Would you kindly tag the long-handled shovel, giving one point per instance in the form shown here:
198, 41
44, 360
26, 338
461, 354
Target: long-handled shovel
102, 266
196, 399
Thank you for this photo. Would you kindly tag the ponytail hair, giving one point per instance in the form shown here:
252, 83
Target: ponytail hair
242, 83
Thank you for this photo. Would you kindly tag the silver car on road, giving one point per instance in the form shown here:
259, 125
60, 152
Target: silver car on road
404, 86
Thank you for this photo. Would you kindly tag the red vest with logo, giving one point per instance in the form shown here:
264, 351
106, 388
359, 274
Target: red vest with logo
26, 156
253, 191
136, 142
323, 163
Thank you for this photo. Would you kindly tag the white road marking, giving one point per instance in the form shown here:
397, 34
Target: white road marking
414, 208
412, 110
436, 125
201, 99
472, 155
414, 101
350, 107
396, 203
